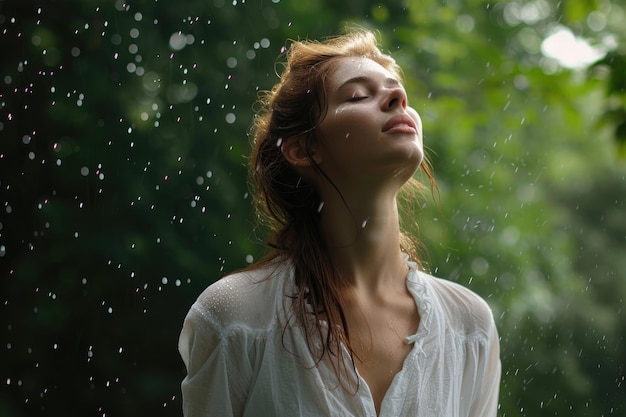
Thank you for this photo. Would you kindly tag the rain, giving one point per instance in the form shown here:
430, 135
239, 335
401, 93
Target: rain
124, 139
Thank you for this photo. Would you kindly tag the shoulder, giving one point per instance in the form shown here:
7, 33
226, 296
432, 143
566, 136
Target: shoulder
245, 298
465, 310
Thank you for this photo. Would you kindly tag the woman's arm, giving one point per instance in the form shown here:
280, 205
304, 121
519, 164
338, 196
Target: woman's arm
215, 384
485, 403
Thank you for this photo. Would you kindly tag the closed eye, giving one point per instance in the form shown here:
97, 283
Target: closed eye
357, 98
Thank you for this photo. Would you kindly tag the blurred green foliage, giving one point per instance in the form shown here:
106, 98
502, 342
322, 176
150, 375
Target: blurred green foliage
123, 143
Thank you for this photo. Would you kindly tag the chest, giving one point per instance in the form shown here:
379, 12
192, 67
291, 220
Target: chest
378, 340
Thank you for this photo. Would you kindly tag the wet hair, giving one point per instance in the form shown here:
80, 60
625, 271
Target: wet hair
288, 205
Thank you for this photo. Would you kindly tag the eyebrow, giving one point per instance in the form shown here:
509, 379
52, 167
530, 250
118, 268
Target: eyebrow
364, 79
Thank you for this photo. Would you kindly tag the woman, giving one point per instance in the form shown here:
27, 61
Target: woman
339, 319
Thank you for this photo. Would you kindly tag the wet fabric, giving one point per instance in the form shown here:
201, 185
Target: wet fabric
244, 359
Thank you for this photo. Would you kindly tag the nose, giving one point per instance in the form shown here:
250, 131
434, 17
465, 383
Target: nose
395, 97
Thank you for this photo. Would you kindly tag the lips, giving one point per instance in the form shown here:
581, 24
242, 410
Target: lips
400, 123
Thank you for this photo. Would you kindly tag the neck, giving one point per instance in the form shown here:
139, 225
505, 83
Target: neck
363, 237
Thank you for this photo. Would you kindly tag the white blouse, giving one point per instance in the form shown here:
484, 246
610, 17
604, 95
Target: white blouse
241, 362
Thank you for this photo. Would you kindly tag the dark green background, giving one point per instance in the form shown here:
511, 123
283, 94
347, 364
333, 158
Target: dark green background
123, 185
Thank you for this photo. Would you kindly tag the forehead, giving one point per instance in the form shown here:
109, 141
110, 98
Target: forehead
348, 68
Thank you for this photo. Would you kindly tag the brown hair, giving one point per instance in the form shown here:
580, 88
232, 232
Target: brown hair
288, 205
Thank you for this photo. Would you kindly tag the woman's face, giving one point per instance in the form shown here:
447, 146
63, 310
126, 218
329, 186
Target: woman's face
369, 132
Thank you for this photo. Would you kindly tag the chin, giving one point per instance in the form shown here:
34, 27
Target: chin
417, 157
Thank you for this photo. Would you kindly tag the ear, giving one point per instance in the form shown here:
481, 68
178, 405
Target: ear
294, 151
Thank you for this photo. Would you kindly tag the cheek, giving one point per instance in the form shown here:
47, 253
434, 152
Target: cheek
342, 124
334, 126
